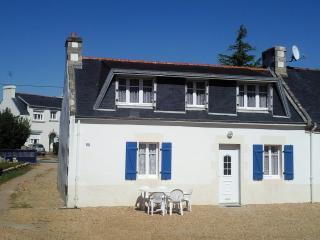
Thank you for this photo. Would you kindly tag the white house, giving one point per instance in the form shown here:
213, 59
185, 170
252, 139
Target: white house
43, 112
235, 135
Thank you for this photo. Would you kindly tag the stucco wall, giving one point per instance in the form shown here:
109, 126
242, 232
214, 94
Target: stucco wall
195, 151
46, 126
316, 166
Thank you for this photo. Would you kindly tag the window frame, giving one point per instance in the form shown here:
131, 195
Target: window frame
194, 105
147, 165
40, 113
55, 114
140, 103
257, 107
280, 162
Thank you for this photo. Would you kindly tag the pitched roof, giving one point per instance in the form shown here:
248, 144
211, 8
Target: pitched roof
90, 78
305, 85
22, 107
34, 100
181, 67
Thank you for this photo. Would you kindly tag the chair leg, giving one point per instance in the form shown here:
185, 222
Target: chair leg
181, 208
170, 208
189, 204
152, 208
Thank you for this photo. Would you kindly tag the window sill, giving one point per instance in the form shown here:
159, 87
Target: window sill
39, 121
138, 105
53, 120
253, 110
271, 177
196, 107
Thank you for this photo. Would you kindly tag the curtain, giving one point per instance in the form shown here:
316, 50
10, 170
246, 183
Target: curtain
142, 159
152, 159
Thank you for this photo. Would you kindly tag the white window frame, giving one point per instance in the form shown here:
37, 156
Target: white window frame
55, 115
194, 105
39, 113
257, 107
140, 104
147, 175
270, 175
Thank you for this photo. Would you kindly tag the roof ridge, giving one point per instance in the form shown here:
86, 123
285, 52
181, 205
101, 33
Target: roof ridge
174, 63
38, 95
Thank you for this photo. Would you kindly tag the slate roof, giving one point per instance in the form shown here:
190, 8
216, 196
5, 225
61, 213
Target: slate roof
181, 67
34, 100
22, 107
305, 85
90, 78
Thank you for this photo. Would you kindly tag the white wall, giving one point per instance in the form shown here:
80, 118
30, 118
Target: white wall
195, 151
46, 126
316, 166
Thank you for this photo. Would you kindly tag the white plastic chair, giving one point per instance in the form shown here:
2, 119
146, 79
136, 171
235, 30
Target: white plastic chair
157, 199
187, 199
175, 200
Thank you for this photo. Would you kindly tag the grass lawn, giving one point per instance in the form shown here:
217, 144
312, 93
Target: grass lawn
5, 165
14, 173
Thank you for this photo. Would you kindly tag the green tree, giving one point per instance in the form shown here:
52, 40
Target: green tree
14, 131
241, 52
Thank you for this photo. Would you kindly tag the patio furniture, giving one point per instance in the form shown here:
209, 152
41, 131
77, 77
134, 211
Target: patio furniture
144, 196
157, 199
175, 200
187, 199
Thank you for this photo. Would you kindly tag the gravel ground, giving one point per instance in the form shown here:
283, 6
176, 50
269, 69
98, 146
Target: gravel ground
37, 214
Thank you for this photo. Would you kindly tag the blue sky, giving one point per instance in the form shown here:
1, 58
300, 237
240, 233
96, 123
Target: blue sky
32, 33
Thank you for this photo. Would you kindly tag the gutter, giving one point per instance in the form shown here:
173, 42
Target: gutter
311, 160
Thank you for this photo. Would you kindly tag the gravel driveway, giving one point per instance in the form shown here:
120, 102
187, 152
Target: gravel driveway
36, 213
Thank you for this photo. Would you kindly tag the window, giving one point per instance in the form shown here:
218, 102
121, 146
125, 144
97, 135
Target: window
37, 116
53, 115
227, 165
34, 138
148, 160
134, 92
196, 94
254, 96
271, 160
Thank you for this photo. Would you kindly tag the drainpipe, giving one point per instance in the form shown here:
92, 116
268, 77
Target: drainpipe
76, 165
311, 160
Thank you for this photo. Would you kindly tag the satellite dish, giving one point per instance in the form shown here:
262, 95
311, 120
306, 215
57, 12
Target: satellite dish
295, 53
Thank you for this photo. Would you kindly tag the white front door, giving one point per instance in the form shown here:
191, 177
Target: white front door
229, 174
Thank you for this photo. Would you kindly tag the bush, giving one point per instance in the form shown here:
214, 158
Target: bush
55, 149
14, 130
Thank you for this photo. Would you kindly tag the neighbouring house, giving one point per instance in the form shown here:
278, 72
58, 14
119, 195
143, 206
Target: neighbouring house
235, 135
43, 112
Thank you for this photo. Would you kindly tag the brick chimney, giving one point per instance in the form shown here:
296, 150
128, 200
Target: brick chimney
73, 49
9, 92
275, 58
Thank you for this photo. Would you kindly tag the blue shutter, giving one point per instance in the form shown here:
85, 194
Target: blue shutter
131, 161
166, 161
257, 162
288, 162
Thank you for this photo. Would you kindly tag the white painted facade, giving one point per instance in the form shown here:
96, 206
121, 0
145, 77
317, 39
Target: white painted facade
41, 129
96, 170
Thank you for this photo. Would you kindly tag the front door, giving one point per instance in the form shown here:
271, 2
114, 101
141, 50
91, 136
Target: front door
229, 174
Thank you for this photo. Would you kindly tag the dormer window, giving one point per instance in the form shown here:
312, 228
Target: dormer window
132, 92
196, 92
254, 97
